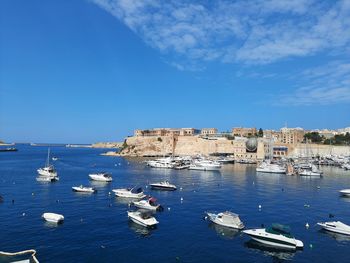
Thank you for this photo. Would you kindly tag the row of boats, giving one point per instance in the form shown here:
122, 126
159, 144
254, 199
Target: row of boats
191, 163
277, 235
302, 169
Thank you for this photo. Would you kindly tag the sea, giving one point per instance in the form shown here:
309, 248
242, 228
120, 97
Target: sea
96, 227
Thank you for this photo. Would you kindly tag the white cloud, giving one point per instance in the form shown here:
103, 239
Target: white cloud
328, 84
253, 32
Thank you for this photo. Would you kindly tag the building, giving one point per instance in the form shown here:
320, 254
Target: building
291, 135
244, 132
167, 132
209, 131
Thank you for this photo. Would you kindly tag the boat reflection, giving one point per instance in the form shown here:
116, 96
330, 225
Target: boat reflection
337, 236
140, 230
224, 232
278, 255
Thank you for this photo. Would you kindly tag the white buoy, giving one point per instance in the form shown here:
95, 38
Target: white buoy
307, 225
109, 193
169, 208
23, 214
180, 188
260, 207
181, 199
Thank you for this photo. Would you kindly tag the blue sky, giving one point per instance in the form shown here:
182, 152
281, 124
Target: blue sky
94, 70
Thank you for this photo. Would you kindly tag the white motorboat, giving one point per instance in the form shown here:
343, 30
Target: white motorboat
48, 170
135, 192
225, 160
227, 219
277, 235
142, 218
336, 226
150, 204
83, 189
309, 173
266, 167
101, 177
53, 218
345, 192
165, 185
47, 178
205, 165
167, 163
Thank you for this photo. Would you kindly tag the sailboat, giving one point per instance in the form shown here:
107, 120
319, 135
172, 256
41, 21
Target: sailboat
49, 170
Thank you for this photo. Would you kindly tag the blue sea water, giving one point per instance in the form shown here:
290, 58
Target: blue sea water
96, 227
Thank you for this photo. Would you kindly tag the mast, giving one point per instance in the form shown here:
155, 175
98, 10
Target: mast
48, 158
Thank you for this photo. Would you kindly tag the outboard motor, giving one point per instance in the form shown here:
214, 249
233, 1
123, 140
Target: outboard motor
160, 208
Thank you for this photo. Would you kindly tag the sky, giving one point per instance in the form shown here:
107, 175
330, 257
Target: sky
83, 71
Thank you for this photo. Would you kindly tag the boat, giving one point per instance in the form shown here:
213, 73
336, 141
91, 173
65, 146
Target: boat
227, 219
266, 167
225, 160
165, 185
9, 149
336, 227
345, 192
205, 165
135, 192
309, 173
102, 177
277, 236
47, 179
48, 170
142, 218
53, 218
149, 204
83, 189
25, 256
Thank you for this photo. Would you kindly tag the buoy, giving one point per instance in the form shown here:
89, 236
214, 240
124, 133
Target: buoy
23, 214
103, 246
318, 187
311, 246
180, 188
32, 193
169, 208
253, 183
260, 207
109, 193
307, 225
306, 205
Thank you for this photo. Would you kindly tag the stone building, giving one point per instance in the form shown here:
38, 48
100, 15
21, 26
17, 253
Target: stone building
167, 132
209, 131
244, 132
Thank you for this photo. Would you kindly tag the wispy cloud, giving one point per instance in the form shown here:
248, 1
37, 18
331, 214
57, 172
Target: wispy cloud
253, 32
328, 84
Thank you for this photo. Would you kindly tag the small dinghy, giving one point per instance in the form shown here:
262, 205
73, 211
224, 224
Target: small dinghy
345, 192
277, 236
227, 219
101, 177
150, 204
142, 218
165, 185
83, 189
135, 192
53, 218
336, 227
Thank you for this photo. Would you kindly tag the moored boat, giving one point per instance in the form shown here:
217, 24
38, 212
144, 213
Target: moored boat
83, 189
277, 235
101, 177
227, 219
165, 185
336, 227
135, 192
345, 192
149, 204
53, 218
142, 218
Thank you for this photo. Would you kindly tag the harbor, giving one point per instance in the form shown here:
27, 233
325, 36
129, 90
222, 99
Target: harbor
96, 226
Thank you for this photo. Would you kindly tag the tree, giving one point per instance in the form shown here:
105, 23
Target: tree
260, 133
313, 137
